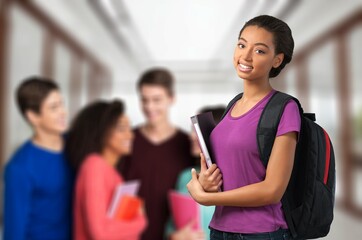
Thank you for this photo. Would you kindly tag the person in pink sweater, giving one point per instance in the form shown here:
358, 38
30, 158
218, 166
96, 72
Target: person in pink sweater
99, 136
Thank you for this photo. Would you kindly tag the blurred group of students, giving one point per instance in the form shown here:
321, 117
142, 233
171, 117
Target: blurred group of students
60, 182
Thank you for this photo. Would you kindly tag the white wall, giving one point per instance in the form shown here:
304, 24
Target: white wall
25, 58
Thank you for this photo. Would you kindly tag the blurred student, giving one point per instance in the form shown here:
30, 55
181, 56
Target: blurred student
160, 150
99, 136
206, 212
38, 180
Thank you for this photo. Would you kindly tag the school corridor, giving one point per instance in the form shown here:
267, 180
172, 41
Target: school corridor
97, 49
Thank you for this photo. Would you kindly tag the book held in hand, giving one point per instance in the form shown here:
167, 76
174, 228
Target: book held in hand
129, 207
184, 209
125, 204
203, 124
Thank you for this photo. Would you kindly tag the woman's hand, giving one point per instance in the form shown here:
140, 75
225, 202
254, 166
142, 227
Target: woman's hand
142, 210
195, 189
187, 233
210, 179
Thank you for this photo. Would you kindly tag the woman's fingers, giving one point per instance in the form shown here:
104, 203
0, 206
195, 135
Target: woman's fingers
209, 178
199, 235
218, 178
216, 173
211, 169
203, 164
193, 174
215, 177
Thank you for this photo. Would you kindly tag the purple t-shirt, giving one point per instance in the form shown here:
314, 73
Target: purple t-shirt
235, 148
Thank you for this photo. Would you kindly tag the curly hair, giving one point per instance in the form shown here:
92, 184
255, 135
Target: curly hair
90, 129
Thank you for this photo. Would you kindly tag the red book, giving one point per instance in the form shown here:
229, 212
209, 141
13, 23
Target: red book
128, 208
129, 190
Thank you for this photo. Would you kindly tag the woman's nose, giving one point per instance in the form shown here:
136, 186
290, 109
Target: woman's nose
247, 55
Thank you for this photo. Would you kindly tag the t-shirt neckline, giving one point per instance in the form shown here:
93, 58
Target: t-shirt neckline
45, 150
251, 109
165, 141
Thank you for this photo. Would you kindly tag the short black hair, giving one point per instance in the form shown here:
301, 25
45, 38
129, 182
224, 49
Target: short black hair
282, 36
159, 77
32, 92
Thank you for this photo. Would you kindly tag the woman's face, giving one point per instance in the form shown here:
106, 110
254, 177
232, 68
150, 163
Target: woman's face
254, 54
156, 102
121, 137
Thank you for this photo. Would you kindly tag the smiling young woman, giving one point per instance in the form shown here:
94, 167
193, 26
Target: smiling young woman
249, 205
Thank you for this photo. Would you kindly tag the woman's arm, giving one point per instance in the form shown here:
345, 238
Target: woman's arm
269, 191
95, 210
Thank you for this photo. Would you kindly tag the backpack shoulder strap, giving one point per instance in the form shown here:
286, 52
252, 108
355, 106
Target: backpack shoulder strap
231, 103
269, 121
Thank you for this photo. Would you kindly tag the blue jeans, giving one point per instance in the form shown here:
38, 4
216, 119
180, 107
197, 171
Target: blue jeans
281, 234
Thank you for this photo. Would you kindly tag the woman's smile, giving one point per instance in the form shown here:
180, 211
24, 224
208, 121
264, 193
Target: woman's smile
244, 68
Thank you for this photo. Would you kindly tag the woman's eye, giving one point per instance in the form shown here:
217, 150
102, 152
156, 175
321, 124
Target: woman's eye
54, 107
260, 51
240, 45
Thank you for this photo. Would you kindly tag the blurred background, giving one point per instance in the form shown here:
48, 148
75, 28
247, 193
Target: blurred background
98, 48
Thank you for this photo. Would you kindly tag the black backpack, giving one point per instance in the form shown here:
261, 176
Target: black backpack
308, 201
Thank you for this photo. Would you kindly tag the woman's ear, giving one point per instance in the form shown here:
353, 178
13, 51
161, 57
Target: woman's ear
278, 59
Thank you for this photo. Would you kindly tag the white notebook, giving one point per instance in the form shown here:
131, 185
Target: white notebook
203, 124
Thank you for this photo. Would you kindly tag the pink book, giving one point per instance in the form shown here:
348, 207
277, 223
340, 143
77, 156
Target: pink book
184, 209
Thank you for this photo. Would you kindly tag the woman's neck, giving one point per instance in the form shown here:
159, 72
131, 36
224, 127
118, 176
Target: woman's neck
49, 141
110, 156
254, 90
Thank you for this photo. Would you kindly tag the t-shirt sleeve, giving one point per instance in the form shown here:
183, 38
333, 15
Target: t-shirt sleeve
290, 120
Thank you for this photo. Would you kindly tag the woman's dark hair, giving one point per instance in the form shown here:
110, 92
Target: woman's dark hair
90, 129
32, 92
282, 38
158, 77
